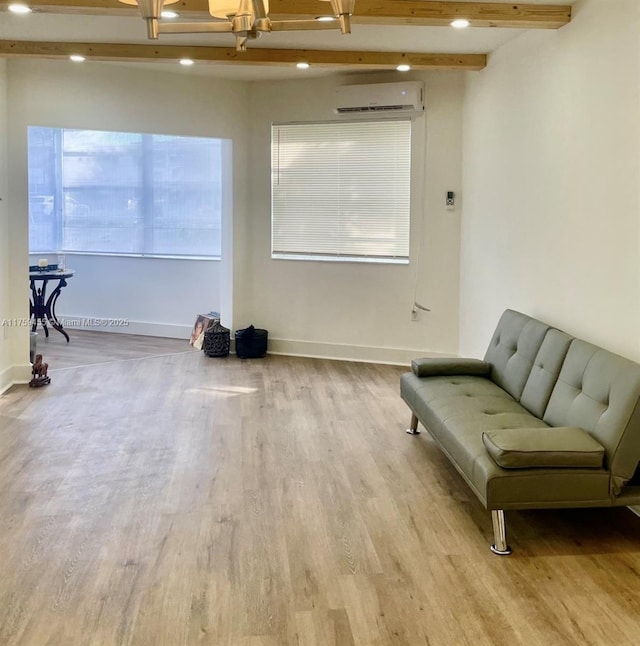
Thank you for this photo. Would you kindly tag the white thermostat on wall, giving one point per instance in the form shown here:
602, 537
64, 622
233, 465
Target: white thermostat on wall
451, 200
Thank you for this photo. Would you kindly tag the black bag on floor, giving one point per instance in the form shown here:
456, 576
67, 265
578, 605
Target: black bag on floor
251, 343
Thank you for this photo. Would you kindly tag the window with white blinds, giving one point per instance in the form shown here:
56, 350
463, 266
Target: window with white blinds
341, 191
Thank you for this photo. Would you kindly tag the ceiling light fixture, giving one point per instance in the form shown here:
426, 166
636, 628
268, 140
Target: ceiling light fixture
77, 58
169, 14
19, 8
460, 23
150, 10
302, 65
403, 67
226, 8
186, 62
325, 18
244, 19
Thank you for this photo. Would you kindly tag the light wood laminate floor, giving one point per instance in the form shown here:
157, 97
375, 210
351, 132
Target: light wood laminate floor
89, 347
180, 500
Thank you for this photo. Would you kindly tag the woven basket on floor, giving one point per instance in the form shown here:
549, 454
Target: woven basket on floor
217, 341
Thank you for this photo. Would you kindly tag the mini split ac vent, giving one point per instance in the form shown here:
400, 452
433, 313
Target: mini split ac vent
374, 108
379, 98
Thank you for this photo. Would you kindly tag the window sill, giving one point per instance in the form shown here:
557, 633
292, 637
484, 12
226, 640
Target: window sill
357, 259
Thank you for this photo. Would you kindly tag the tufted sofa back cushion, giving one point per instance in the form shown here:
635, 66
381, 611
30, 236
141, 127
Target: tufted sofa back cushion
513, 349
544, 372
600, 392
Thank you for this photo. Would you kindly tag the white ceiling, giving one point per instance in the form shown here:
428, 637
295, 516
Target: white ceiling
111, 29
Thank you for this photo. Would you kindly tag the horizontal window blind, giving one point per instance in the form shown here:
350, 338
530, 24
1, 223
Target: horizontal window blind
341, 190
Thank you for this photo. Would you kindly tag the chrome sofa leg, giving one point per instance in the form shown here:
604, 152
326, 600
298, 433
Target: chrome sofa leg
413, 429
500, 546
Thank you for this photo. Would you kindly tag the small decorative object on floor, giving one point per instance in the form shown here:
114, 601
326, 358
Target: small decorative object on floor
251, 343
217, 340
39, 372
202, 324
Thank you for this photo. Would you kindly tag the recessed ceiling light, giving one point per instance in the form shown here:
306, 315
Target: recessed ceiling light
302, 65
19, 8
460, 23
325, 18
77, 58
186, 61
403, 68
168, 14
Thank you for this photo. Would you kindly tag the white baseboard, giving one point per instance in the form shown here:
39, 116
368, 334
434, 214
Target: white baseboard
289, 347
347, 352
22, 374
125, 326
6, 379
14, 375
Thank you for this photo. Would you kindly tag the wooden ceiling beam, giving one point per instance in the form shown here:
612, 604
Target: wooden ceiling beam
426, 13
438, 14
125, 52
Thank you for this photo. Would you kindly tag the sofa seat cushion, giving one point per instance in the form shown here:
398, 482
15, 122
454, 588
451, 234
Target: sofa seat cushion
437, 399
429, 389
517, 448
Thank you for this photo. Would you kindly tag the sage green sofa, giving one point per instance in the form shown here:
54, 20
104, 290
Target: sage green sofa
544, 421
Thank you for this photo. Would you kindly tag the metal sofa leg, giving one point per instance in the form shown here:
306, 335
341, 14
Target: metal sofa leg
500, 546
413, 429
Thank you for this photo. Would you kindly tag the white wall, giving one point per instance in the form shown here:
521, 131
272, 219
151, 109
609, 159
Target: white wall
167, 293
155, 296
551, 222
353, 310
5, 358
342, 310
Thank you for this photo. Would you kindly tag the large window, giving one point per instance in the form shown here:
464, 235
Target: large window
124, 193
340, 191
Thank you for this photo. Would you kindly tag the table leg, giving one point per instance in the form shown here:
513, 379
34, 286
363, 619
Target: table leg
41, 308
32, 307
50, 309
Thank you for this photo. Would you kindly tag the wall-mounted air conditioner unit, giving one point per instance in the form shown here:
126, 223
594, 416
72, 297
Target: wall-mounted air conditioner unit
380, 98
